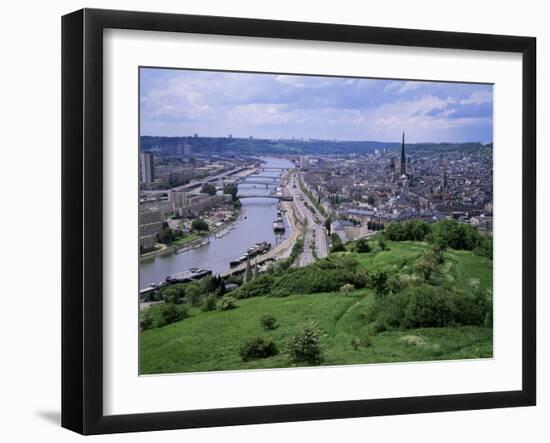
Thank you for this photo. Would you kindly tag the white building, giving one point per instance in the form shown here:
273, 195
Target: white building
146, 168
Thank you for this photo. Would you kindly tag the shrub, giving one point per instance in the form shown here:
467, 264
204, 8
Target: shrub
337, 245
456, 235
209, 303
382, 244
426, 306
171, 295
379, 283
226, 303
425, 266
193, 293
170, 313
414, 230
166, 236
257, 347
362, 246
152, 296
485, 247
269, 322
306, 346
146, 319
261, 285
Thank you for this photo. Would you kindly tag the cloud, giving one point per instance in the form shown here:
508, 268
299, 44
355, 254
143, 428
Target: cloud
182, 102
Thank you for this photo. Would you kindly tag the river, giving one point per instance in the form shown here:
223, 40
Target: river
254, 225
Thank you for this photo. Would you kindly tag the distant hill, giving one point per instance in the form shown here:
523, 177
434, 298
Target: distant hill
247, 146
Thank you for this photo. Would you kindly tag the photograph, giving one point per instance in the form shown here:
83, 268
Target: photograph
303, 220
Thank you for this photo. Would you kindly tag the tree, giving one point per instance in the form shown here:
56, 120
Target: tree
166, 235
199, 225
209, 189
171, 295
337, 245
193, 293
485, 248
210, 283
232, 190
362, 246
456, 235
425, 266
328, 221
379, 283
371, 200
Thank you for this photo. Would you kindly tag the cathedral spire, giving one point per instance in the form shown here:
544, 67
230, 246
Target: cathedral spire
403, 162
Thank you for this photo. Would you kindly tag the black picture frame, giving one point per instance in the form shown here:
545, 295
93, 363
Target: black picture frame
82, 190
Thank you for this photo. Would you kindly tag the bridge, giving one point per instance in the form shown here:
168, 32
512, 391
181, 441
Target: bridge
253, 182
269, 177
284, 198
273, 168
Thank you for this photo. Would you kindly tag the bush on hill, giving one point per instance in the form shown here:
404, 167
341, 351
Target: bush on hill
258, 347
485, 247
170, 313
209, 303
455, 235
259, 286
362, 246
427, 306
269, 322
337, 245
412, 230
306, 346
226, 303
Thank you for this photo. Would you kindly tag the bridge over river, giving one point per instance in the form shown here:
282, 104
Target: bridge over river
284, 198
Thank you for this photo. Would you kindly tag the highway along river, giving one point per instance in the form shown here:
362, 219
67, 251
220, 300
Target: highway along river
254, 225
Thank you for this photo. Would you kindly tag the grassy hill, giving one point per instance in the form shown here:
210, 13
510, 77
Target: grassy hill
208, 341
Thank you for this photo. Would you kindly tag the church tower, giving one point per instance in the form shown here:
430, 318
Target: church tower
403, 161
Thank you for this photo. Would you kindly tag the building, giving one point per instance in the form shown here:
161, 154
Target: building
362, 215
150, 225
197, 204
180, 176
338, 227
179, 202
403, 160
146, 168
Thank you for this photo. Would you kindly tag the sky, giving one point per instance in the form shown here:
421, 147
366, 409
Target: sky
176, 102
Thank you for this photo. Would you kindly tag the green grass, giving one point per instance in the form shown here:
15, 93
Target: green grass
210, 341
188, 239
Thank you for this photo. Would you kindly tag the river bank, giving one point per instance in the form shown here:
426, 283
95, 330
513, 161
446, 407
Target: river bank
203, 240
253, 225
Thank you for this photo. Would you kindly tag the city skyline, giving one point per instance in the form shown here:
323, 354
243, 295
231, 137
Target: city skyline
177, 102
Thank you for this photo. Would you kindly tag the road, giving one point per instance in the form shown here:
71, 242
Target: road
240, 172
316, 242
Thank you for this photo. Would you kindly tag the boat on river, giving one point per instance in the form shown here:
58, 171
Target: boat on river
253, 251
279, 225
187, 276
